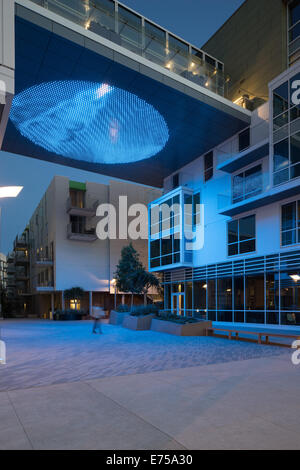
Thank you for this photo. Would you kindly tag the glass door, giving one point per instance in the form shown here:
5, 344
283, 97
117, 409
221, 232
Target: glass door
178, 304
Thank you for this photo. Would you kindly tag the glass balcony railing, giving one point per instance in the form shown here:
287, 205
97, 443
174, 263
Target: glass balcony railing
249, 186
115, 22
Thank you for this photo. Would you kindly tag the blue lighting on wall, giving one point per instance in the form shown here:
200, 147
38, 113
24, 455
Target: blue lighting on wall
89, 121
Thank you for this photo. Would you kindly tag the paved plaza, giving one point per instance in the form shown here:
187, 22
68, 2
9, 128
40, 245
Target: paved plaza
64, 388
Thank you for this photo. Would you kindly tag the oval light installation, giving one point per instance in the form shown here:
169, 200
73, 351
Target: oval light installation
89, 121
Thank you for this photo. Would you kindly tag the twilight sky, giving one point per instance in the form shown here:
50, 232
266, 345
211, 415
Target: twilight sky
193, 20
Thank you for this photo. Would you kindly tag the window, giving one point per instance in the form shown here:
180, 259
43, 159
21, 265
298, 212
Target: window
247, 184
241, 236
176, 181
165, 233
244, 139
77, 198
294, 29
290, 224
196, 210
280, 99
77, 224
225, 294
208, 166
286, 137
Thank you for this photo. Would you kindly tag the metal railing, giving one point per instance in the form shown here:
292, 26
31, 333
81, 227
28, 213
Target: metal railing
122, 26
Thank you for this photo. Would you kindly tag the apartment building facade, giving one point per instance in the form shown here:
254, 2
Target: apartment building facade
61, 250
244, 196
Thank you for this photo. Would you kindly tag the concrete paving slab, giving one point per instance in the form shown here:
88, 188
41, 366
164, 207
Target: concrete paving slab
76, 416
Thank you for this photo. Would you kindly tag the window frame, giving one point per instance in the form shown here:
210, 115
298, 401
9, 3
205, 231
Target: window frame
208, 171
243, 132
239, 241
297, 223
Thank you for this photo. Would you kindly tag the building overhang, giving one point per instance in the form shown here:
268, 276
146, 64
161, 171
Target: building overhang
50, 48
278, 193
242, 159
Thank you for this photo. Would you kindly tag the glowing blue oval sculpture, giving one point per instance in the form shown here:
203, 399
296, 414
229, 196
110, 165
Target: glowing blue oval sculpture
89, 121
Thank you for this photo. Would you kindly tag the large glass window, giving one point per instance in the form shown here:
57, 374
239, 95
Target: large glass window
290, 291
244, 139
166, 229
208, 166
200, 288
239, 304
241, 235
272, 298
290, 223
225, 294
294, 29
211, 294
280, 99
254, 290
286, 147
189, 298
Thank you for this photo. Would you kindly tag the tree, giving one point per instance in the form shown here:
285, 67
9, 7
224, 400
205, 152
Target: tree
131, 276
75, 293
142, 281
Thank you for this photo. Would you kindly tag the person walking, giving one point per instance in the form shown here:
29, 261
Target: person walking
97, 314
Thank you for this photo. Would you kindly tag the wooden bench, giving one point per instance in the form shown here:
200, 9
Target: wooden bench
259, 334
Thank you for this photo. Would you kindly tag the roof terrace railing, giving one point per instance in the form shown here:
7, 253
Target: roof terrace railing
113, 21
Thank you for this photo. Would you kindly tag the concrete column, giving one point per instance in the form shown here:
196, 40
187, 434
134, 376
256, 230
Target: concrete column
91, 303
123, 299
62, 300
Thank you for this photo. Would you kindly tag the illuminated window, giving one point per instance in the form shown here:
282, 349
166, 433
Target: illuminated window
75, 304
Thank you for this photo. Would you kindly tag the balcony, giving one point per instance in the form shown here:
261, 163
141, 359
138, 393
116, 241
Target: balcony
89, 209
43, 261
21, 259
249, 183
11, 269
125, 28
44, 286
21, 243
82, 235
268, 196
242, 159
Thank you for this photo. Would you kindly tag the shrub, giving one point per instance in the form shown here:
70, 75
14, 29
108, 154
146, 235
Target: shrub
168, 316
144, 310
68, 314
122, 308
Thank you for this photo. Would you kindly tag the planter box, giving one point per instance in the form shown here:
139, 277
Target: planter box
116, 318
138, 323
189, 329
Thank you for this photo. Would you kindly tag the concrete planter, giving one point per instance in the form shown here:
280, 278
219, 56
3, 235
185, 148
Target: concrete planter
138, 323
116, 318
189, 329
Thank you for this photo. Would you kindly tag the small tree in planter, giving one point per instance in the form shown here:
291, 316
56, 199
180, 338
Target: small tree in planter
142, 281
131, 276
76, 294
